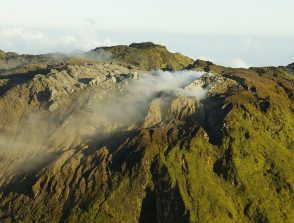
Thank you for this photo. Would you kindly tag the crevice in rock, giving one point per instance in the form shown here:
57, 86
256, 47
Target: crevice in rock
224, 167
148, 210
215, 113
164, 203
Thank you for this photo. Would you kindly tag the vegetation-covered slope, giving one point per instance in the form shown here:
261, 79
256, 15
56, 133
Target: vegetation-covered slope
228, 157
148, 56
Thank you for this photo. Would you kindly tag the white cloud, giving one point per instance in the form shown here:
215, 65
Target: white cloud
238, 63
18, 39
202, 58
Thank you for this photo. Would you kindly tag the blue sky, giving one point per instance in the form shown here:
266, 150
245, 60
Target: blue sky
229, 32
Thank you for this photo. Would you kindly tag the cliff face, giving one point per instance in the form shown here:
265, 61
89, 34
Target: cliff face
218, 148
290, 68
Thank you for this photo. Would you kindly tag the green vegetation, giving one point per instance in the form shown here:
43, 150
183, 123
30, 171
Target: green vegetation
146, 56
235, 165
2, 55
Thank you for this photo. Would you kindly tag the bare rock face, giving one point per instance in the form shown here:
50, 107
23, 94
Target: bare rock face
163, 111
155, 113
203, 81
182, 108
54, 88
215, 84
62, 100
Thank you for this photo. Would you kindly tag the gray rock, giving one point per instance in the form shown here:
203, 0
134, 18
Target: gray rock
53, 94
93, 81
135, 76
53, 107
113, 79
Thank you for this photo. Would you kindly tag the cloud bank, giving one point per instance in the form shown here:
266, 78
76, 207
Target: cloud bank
21, 40
238, 63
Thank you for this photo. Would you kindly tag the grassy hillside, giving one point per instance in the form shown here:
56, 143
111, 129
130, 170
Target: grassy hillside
147, 56
226, 158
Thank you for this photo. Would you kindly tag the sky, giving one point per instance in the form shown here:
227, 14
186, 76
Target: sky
238, 33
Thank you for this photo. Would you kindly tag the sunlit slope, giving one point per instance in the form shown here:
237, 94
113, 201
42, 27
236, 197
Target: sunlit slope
225, 157
147, 56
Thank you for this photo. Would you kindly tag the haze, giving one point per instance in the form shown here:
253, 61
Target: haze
236, 33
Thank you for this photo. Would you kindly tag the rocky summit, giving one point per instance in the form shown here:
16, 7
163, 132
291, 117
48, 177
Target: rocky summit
139, 134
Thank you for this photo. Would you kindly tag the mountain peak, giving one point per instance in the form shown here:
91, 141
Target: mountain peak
155, 57
146, 45
80, 138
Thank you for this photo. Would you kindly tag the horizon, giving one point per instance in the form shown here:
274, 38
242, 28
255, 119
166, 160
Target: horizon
230, 33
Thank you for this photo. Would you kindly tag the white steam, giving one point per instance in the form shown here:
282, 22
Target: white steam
88, 119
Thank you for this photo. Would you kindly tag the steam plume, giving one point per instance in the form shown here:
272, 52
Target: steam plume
88, 119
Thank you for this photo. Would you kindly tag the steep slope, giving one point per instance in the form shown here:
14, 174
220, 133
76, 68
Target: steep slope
2, 54
176, 156
148, 56
290, 68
